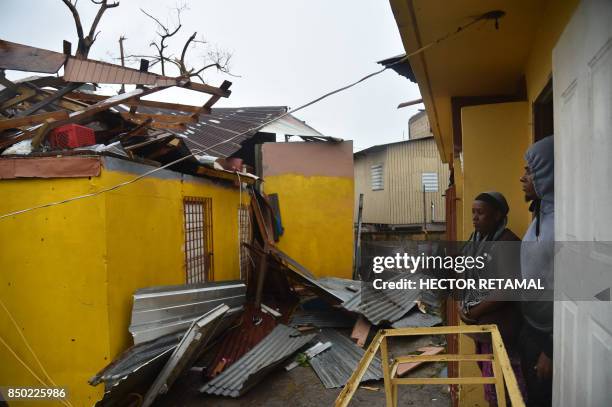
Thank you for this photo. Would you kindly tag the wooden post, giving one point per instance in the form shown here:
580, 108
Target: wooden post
356, 275
384, 355
121, 39
501, 364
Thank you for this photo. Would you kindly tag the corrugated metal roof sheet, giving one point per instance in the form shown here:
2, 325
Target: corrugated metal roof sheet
384, 305
305, 276
183, 356
336, 365
281, 343
134, 358
224, 124
323, 319
158, 311
236, 342
341, 287
416, 318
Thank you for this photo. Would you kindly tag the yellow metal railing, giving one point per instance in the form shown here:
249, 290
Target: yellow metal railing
502, 370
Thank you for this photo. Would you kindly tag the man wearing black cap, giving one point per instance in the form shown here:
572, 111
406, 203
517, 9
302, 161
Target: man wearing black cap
490, 219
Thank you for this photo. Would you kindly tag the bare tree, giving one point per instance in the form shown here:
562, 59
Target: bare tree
212, 58
85, 42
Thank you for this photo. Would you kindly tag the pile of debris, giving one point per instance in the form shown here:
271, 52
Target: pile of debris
62, 115
235, 333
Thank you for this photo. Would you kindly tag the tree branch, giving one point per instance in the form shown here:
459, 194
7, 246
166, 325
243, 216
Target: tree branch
85, 42
76, 17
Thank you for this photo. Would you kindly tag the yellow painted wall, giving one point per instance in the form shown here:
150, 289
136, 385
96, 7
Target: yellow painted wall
53, 281
147, 218
538, 68
495, 138
317, 214
68, 272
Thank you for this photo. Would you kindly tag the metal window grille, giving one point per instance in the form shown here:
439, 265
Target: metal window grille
377, 177
199, 265
430, 181
244, 225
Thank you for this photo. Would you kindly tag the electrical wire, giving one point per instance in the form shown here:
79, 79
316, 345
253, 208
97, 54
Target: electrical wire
24, 339
483, 17
29, 369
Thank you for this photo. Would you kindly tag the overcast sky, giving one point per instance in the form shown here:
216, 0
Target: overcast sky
287, 52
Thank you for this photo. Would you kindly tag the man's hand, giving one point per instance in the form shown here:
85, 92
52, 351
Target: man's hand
543, 367
466, 319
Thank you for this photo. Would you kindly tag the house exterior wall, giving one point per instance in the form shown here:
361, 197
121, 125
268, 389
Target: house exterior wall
401, 201
375, 203
52, 281
537, 72
69, 271
150, 212
490, 146
418, 126
314, 183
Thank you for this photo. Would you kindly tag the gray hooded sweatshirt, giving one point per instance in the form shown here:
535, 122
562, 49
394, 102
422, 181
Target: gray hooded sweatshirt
537, 251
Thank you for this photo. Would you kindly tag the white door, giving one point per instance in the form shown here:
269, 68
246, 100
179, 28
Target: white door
582, 78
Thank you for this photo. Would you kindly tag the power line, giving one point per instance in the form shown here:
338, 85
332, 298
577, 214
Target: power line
483, 17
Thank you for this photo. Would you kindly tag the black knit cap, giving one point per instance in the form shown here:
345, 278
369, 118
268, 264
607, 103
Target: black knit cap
495, 199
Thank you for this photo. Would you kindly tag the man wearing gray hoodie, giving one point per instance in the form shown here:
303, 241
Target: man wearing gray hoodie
537, 262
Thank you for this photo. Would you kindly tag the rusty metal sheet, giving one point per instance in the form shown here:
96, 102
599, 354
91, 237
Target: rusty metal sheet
197, 336
21, 57
49, 167
88, 70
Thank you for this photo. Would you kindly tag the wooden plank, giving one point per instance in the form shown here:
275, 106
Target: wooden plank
166, 105
439, 330
50, 99
223, 175
89, 70
215, 98
445, 380
408, 363
445, 357
24, 93
39, 134
201, 87
344, 398
86, 97
5, 143
501, 357
361, 331
21, 57
166, 118
384, 356
111, 102
31, 120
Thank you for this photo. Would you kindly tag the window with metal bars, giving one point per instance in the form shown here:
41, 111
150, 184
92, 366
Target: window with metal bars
244, 225
199, 265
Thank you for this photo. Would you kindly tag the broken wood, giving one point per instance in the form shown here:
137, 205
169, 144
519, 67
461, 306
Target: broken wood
165, 118
89, 70
201, 87
23, 94
40, 133
403, 368
361, 330
230, 176
166, 105
19, 57
50, 99
215, 98
32, 120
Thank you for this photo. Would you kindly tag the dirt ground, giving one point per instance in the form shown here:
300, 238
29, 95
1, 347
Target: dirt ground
302, 388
